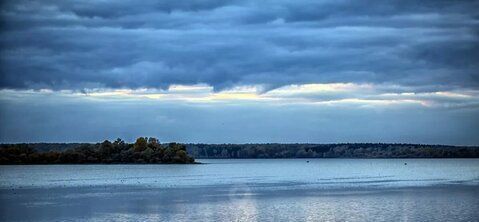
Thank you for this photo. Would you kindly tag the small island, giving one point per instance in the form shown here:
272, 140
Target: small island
144, 151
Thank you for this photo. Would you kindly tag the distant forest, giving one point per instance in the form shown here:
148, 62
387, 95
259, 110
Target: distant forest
346, 150
149, 150
144, 150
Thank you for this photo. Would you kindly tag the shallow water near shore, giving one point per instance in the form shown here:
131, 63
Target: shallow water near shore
245, 190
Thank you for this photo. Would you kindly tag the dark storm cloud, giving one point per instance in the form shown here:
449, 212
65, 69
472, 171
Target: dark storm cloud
426, 45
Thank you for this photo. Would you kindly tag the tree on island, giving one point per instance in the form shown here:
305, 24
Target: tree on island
144, 150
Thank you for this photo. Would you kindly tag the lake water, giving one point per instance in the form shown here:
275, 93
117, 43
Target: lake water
245, 190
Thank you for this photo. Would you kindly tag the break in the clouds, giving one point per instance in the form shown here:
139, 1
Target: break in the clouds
430, 45
202, 71
196, 114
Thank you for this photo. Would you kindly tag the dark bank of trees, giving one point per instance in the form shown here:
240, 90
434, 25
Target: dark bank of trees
355, 150
149, 150
144, 150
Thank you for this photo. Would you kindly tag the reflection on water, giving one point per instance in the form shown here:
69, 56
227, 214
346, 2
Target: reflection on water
245, 190
442, 204
242, 204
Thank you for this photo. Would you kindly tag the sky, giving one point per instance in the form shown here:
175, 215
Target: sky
225, 71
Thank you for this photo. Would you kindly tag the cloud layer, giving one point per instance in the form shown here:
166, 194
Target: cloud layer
49, 116
229, 71
333, 95
428, 45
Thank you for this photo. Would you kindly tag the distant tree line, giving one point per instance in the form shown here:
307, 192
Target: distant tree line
346, 150
144, 150
149, 150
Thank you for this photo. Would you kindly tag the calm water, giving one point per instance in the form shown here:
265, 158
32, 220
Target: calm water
246, 190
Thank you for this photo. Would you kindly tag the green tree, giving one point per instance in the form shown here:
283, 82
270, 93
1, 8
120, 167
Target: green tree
154, 143
106, 148
140, 144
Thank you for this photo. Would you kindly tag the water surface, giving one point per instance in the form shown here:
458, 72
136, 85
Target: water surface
246, 190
